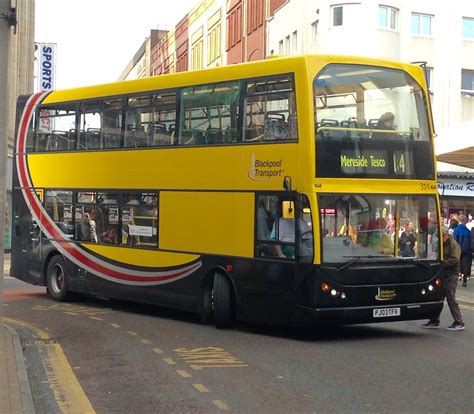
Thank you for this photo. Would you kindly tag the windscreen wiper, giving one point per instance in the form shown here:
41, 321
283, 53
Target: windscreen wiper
414, 261
354, 259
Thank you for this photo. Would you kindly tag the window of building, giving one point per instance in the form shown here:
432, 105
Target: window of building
255, 15
214, 44
287, 45
388, 17
294, 42
467, 82
336, 12
314, 30
234, 24
280, 47
197, 55
429, 77
468, 27
421, 24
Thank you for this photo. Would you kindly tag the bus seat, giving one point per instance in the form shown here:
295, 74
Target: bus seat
373, 123
254, 133
348, 124
230, 135
213, 136
71, 136
186, 137
199, 138
330, 122
140, 136
93, 138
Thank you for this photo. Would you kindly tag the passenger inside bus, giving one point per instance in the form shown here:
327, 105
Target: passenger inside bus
379, 240
386, 122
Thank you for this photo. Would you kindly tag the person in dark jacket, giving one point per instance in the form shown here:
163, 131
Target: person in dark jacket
451, 258
463, 236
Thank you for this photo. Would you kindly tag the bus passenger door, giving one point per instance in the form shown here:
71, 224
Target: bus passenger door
26, 246
270, 288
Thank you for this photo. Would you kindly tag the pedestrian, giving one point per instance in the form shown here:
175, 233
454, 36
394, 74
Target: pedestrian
453, 223
463, 236
451, 258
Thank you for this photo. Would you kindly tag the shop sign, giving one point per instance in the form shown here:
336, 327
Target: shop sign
456, 187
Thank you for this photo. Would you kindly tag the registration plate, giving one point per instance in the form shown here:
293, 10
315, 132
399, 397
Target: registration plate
386, 312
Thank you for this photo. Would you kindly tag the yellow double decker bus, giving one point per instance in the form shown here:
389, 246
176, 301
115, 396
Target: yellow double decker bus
297, 190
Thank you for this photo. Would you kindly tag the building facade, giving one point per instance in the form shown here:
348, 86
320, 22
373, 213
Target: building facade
439, 33
141, 64
21, 82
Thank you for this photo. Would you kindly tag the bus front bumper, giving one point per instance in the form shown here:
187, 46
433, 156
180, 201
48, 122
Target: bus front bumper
372, 314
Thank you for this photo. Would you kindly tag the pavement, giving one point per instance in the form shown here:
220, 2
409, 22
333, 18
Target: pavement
15, 392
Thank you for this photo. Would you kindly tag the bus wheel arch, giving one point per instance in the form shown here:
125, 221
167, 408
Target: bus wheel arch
57, 278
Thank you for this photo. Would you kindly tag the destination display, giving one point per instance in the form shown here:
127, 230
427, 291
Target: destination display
366, 160
376, 162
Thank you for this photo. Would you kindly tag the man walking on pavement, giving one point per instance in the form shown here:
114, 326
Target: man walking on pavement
451, 258
463, 236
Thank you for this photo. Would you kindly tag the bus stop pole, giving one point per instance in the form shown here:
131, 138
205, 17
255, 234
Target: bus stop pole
5, 30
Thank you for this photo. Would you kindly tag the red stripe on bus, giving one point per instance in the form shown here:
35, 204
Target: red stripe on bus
51, 229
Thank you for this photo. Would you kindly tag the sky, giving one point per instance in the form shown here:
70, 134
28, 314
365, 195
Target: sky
96, 39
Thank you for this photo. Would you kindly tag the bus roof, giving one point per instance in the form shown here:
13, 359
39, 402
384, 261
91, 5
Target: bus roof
275, 65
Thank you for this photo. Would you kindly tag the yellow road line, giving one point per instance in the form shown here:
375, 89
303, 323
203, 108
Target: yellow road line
184, 373
67, 391
96, 318
146, 341
132, 333
115, 325
200, 388
158, 350
221, 405
169, 361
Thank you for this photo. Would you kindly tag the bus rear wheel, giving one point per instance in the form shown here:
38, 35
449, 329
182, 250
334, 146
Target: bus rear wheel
57, 279
223, 302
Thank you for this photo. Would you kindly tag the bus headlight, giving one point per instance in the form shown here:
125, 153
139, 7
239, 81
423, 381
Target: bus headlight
343, 295
430, 288
334, 292
423, 291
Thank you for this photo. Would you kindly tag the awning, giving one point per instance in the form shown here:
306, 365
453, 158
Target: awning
453, 145
463, 157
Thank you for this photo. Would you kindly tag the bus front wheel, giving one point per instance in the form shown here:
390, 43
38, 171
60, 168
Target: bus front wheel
57, 279
223, 302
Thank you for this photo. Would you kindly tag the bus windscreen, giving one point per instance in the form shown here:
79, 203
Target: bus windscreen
371, 122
